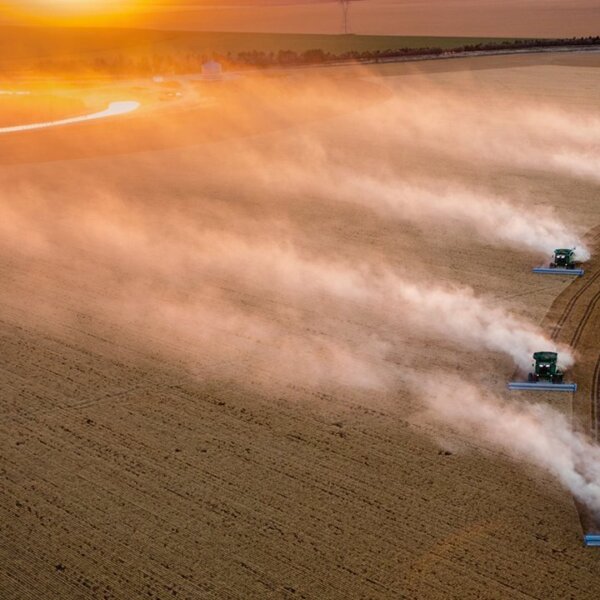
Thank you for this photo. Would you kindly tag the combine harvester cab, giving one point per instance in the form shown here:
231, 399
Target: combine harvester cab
591, 539
563, 263
546, 376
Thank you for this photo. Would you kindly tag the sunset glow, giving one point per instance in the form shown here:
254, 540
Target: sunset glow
299, 299
499, 18
72, 12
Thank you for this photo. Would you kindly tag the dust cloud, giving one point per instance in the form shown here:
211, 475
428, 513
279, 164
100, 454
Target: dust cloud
534, 433
158, 259
493, 218
249, 302
505, 130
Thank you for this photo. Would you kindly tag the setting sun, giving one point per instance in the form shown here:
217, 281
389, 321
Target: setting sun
72, 12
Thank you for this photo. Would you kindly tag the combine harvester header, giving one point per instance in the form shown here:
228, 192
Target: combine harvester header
563, 263
546, 376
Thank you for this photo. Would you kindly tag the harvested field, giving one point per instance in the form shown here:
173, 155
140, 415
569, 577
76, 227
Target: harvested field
574, 318
211, 367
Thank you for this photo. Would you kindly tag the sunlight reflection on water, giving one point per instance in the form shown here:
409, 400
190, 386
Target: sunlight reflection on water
114, 109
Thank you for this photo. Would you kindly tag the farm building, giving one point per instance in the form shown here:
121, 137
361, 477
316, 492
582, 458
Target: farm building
212, 70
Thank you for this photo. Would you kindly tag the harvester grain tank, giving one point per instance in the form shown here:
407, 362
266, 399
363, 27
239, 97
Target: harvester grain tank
563, 263
545, 377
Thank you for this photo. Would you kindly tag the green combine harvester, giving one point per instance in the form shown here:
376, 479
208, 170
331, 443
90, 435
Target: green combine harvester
563, 258
546, 376
563, 263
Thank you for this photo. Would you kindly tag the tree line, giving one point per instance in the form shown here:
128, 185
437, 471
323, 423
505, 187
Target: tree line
121, 64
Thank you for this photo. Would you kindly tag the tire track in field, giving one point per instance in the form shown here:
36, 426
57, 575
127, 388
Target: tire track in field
584, 322
589, 311
587, 283
595, 383
571, 304
580, 332
596, 397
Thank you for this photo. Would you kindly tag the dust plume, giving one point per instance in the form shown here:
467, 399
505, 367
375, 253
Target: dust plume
453, 313
371, 165
166, 256
485, 127
459, 315
230, 291
532, 432
159, 261
494, 218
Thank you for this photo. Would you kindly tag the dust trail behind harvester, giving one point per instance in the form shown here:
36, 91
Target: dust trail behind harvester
173, 267
516, 133
188, 259
495, 219
535, 433
493, 129
243, 304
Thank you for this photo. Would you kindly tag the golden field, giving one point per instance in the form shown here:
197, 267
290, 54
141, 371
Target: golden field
222, 314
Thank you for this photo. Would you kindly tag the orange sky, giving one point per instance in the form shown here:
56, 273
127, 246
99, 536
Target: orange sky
416, 17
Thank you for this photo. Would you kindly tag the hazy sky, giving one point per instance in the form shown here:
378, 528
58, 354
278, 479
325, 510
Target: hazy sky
416, 17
